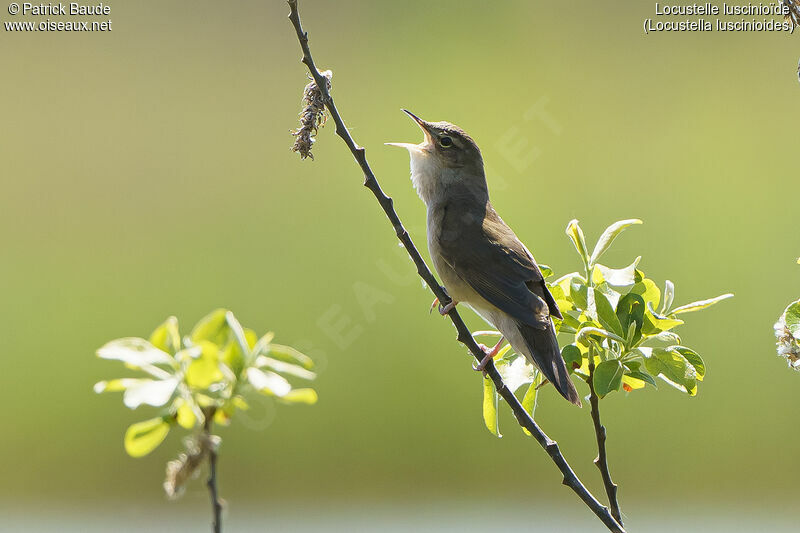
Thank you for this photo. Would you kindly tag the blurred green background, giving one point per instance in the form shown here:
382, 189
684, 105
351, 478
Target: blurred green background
147, 172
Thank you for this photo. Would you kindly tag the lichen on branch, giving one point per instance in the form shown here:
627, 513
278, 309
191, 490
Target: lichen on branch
311, 117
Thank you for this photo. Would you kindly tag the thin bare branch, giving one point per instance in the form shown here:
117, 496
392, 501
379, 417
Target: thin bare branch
464, 336
216, 503
601, 461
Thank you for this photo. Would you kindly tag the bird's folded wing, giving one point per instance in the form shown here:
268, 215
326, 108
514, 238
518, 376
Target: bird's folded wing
486, 254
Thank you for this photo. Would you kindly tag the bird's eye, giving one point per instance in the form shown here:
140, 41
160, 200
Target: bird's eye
446, 141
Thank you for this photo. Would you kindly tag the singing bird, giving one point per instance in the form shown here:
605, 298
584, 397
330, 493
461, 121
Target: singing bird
480, 260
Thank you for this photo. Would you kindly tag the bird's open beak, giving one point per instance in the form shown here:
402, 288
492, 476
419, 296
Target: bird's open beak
423, 126
421, 123
408, 146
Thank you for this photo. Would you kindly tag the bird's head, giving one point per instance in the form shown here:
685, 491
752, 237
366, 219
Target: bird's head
446, 156
446, 143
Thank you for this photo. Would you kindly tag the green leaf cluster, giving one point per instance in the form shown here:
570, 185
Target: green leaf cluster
201, 377
624, 321
620, 318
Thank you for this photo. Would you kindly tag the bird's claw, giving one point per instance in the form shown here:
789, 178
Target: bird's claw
443, 309
489, 354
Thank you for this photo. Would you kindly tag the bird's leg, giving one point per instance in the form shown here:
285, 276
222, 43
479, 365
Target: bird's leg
490, 353
443, 309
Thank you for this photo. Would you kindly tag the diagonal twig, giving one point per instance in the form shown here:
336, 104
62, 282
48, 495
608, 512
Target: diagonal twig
600, 432
213, 493
464, 336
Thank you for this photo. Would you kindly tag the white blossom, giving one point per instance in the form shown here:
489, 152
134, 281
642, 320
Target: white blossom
787, 344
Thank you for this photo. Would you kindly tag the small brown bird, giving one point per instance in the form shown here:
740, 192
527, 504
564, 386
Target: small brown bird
480, 260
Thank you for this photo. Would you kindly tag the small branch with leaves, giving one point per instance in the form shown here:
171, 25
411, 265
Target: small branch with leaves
621, 338
523, 416
622, 334
197, 381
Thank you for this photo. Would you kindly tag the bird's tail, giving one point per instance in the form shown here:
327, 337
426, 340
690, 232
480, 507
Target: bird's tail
545, 354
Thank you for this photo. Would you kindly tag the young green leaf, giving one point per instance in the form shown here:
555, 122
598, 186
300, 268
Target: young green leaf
619, 278
284, 368
529, 400
585, 332
655, 324
239, 335
232, 357
648, 290
290, 355
144, 437
490, 402
115, 385
185, 413
630, 312
608, 377
575, 233
630, 384
567, 324
669, 337
268, 382
669, 295
673, 368
694, 359
262, 345
572, 357
211, 327
306, 396
166, 336
205, 369
559, 296
609, 235
188, 354
135, 352
642, 376
155, 392
702, 304
605, 313
579, 293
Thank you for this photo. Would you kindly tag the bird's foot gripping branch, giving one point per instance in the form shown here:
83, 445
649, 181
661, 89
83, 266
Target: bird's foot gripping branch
620, 328
196, 381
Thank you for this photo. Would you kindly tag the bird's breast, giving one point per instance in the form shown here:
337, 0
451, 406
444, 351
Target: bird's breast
424, 171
